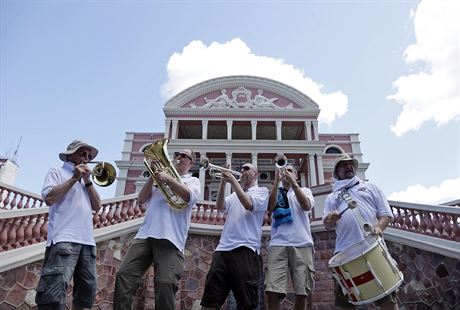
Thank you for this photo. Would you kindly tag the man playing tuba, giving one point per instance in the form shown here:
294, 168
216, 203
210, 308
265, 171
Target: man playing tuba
161, 238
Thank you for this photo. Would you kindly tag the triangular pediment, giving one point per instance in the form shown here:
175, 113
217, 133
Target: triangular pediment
241, 95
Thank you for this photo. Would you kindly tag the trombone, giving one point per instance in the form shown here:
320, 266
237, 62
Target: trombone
216, 171
103, 173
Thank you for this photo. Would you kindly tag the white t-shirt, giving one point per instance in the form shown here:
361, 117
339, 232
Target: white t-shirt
71, 218
296, 233
163, 222
372, 204
243, 227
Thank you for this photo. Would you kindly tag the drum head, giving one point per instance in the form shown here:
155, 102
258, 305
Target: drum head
353, 251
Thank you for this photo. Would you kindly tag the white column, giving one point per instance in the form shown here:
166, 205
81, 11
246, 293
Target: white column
228, 187
202, 179
319, 160
174, 129
254, 162
254, 129
308, 130
254, 159
204, 133
229, 130
167, 127
315, 130
303, 180
312, 170
278, 130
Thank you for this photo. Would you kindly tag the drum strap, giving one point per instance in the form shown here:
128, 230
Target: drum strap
366, 228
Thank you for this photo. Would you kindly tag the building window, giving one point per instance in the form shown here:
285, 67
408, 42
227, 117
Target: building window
333, 150
263, 176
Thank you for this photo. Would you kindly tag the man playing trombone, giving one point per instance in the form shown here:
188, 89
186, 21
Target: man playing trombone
235, 263
290, 249
70, 246
161, 238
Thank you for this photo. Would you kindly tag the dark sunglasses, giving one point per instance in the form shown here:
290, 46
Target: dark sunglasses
183, 155
85, 154
245, 168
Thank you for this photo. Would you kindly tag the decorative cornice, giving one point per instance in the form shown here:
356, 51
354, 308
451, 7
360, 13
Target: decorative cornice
308, 106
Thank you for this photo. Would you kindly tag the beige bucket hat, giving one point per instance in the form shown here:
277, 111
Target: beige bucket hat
344, 157
74, 146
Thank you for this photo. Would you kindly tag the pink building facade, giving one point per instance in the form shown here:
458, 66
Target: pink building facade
241, 119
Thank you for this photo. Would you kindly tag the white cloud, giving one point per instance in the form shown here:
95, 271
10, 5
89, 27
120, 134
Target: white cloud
433, 92
199, 62
447, 191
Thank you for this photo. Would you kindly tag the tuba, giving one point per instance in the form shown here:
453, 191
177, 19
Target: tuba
157, 153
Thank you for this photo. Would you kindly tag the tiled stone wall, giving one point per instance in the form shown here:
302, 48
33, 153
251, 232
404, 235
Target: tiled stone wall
431, 281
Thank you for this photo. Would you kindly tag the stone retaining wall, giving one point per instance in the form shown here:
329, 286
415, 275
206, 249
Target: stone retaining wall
432, 281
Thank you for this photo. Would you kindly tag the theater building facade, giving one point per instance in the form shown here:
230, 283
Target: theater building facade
239, 119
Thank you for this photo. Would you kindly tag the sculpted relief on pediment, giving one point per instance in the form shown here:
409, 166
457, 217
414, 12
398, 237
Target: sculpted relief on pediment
241, 98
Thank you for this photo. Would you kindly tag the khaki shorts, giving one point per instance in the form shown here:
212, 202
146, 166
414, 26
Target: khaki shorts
298, 262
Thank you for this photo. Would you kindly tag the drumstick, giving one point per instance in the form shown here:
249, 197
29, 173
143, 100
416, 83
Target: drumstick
350, 205
342, 212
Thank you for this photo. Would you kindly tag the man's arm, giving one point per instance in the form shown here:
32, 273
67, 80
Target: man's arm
220, 202
94, 198
145, 192
58, 192
381, 225
176, 186
303, 200
274, 193
92, 193
300, 195
330, 220
244, 198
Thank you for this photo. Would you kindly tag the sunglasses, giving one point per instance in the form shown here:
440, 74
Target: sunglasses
85, 154
183, 155
245, 168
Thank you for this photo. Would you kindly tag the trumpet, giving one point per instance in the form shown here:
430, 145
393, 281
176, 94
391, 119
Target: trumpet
281, 161
280, 164
103, 173
216, 171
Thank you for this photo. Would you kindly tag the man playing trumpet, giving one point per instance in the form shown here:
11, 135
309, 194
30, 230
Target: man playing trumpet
235, 263
291, 246
161, 238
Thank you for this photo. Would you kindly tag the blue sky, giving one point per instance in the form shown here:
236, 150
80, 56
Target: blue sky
388, 70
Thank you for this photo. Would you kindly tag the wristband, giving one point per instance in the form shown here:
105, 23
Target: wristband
88, 184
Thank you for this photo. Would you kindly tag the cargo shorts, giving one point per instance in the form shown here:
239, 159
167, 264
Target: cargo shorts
63, 261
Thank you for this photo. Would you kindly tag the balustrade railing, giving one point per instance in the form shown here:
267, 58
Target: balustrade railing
432, 220
13, 198
24, 217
